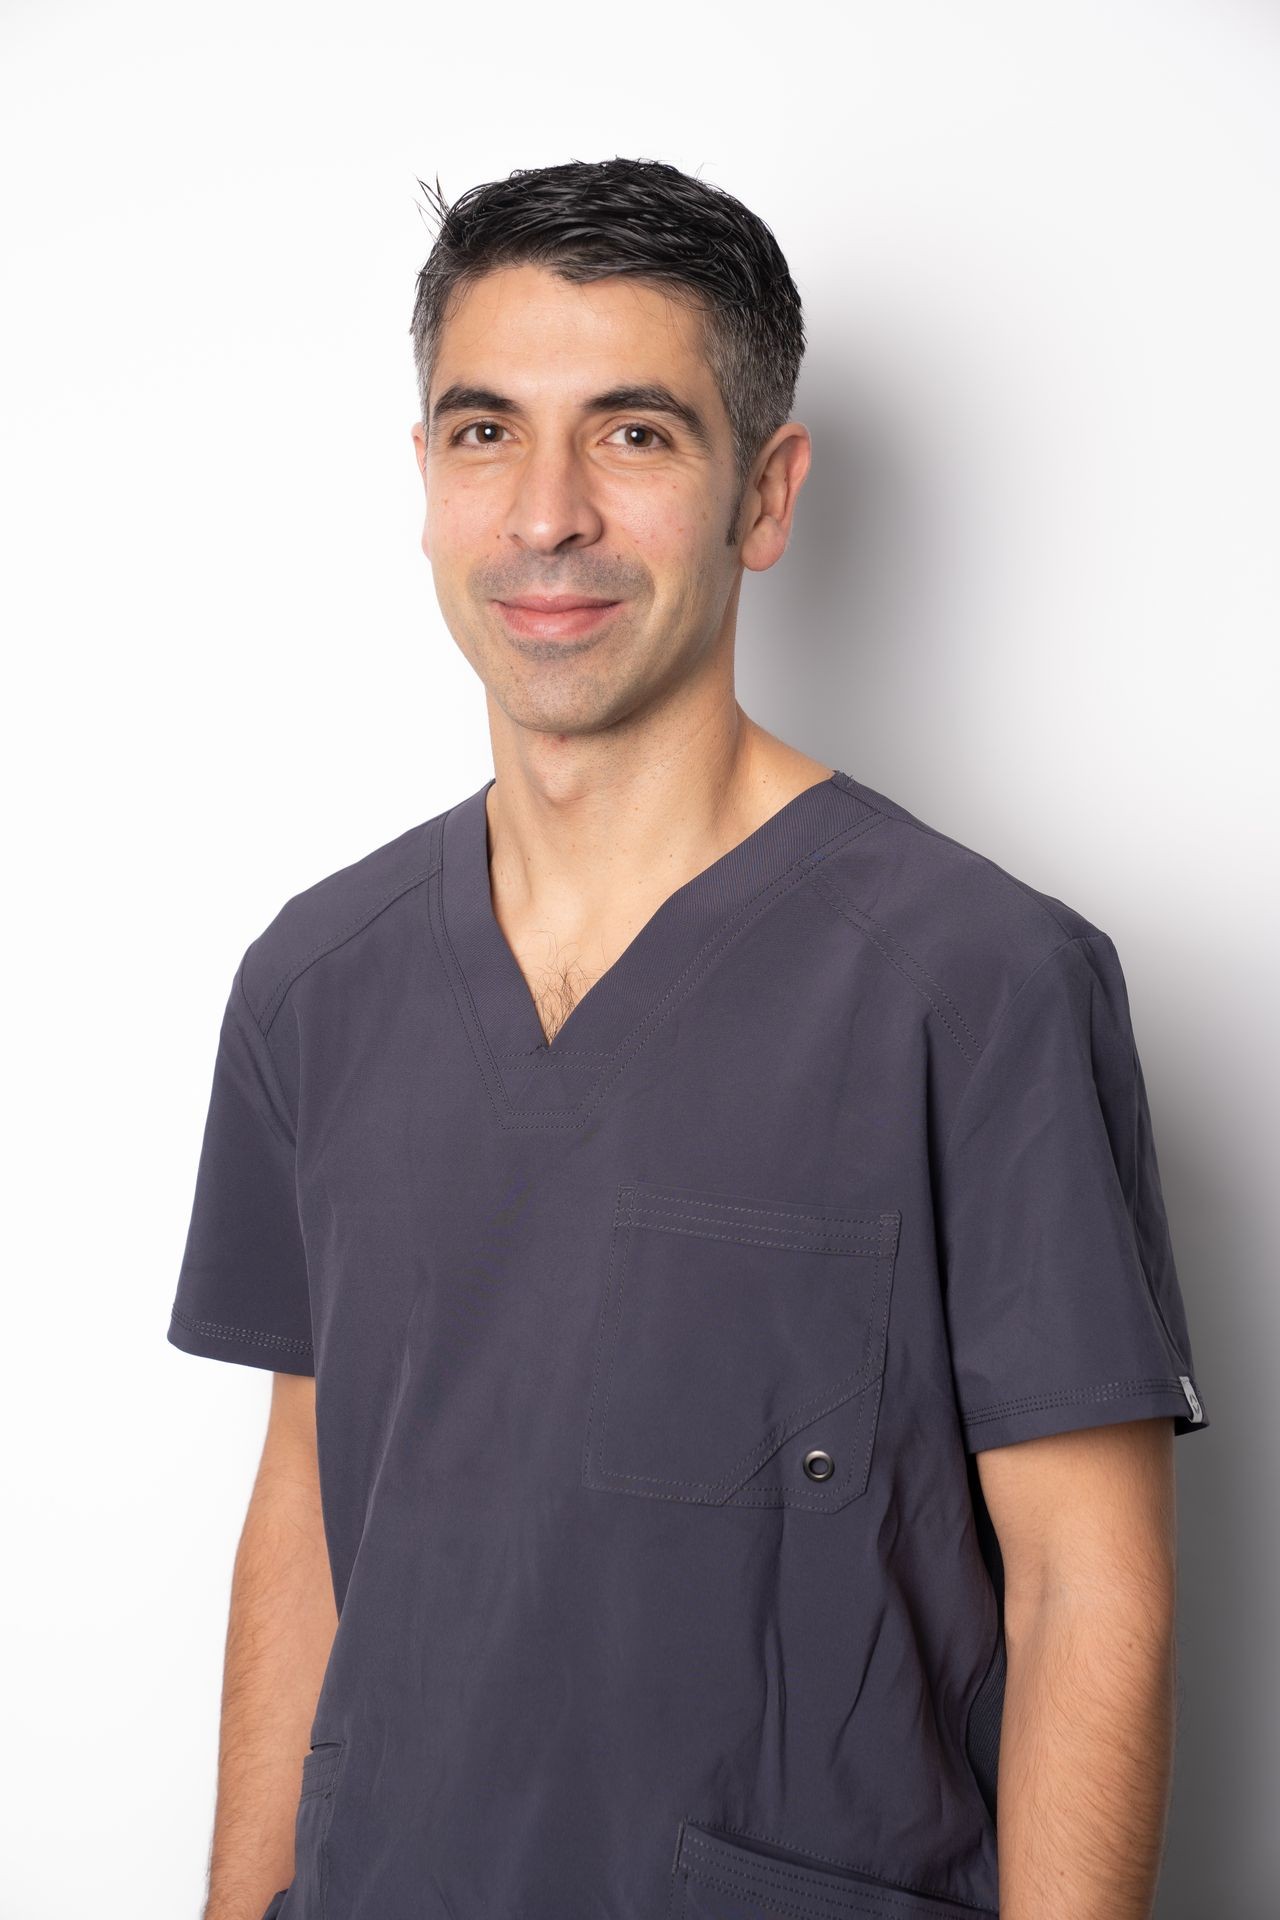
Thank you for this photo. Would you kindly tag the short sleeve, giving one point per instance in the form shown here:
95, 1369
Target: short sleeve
242, 1290
1062, 1300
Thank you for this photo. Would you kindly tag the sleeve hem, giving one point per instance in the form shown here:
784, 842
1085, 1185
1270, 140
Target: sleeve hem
1109, 1402
248, 1346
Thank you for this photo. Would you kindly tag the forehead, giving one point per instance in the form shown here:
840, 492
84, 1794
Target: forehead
542, 332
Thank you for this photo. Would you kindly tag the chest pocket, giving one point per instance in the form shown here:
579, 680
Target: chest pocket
740, 1349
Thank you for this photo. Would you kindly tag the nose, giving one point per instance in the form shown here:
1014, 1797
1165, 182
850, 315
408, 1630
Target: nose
551, 506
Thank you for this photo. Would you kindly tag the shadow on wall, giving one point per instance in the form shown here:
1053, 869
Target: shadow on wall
851, 648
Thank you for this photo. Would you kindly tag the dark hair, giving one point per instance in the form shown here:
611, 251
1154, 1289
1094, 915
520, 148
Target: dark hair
588, 219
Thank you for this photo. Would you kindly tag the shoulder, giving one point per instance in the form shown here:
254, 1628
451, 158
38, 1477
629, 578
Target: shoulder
333, 910
962, 931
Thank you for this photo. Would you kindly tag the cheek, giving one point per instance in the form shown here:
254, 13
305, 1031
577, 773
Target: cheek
458, 511
442, 513
668, 523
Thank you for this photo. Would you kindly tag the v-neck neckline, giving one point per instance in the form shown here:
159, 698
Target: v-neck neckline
489, 979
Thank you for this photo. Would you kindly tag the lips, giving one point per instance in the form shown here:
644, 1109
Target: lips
556, 616
556, 602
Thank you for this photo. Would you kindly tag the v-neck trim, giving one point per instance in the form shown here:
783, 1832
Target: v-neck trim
494, 993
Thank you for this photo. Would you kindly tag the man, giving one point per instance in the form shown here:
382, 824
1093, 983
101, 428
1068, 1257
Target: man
703, 1222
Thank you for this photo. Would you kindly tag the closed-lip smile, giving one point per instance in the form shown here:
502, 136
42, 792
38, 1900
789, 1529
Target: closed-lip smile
557, 616
556, 602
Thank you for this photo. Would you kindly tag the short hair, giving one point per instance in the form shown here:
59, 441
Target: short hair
590, 219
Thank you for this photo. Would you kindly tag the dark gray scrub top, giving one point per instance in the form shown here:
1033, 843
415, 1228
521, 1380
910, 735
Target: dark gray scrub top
651, 1363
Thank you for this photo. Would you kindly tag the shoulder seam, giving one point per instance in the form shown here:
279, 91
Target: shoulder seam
873, 929
286, 1137
936, 833
276, 998
1075, 940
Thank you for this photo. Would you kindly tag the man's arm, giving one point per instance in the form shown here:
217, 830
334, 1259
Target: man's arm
1087, 1529
281, 1627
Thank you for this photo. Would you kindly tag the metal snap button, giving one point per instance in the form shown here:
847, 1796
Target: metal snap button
819, 1465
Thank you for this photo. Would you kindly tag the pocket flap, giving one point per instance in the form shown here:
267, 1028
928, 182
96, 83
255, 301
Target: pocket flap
732, 1880
319, 1766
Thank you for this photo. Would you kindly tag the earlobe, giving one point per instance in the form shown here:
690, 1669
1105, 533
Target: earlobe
765, 545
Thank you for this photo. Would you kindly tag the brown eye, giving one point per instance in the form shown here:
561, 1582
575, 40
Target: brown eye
635, 428
482, 427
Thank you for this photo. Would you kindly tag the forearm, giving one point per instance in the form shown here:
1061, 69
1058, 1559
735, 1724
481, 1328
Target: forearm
279, 1634
1086, 1752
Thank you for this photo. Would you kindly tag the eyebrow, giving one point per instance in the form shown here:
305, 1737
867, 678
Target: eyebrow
652, 398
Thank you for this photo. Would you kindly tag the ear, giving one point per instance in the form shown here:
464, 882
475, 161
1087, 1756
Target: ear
420, 455
770, 502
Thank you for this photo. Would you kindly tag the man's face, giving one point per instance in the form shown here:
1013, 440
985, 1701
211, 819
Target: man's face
577, 447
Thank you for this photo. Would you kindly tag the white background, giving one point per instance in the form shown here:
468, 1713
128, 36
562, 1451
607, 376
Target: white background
1032, 595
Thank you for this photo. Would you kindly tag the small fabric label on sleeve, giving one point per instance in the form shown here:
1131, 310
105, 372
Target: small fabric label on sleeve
1197, 1411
